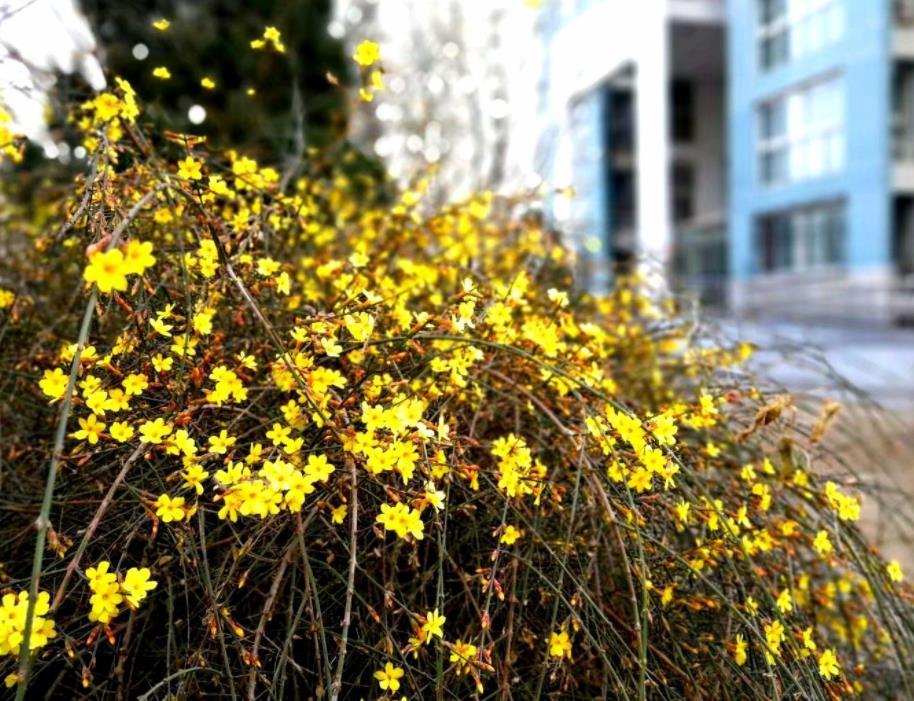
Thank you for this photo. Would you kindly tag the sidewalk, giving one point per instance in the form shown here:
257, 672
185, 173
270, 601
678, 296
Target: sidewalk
808, 358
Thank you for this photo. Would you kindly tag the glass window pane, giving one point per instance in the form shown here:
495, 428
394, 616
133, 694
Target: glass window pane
769, 10
801, 238
799, 28
807, 126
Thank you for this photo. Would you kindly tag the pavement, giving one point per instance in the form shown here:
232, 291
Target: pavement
807, 358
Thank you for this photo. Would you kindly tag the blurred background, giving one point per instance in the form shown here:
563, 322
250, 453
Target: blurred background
760, 153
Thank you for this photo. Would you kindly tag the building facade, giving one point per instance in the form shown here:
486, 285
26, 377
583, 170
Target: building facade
762, 151
631, 116
810, 141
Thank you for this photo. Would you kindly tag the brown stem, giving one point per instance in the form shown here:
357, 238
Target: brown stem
93, 525
350, 583
267, 613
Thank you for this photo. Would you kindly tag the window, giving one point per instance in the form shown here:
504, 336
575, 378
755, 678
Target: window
903, 111
801, 134
621, 120
801, 239
622, 193
791, 29
683, 191
904, 12
682, 111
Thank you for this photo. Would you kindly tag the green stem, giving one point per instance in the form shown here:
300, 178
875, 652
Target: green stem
44, 521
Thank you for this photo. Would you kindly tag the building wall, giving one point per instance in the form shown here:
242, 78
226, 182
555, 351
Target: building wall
708, 150
862, 57
588, 223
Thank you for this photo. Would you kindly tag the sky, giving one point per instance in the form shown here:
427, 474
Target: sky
37, 39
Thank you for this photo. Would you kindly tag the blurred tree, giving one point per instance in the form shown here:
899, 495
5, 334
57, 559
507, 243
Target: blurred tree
273, 105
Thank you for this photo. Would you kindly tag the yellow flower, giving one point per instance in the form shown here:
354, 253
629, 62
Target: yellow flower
640, 480
104, 603
13, 610
338, 515
154, 431
402, 520
739, 650
653, 459
267, 267
821, 543
331, 347
433, 625
784, 601
189, 169
106, 595
203, 322
318, 469
510, 535
893, 569
463, 655
194, 476
137, 257
433, 496
207, 83
99, 577
366, 53
270, 36
682, 511
218, 186
135, 383
162, 363
161, 72
118, 400
160, 327
182, 444
54, 383
828, 664
121, 431
136, 585
560, 645
808, 641
220, 444
90, 428
559, 297
389, 677
161, 24
97, 401
107, 270
774, 636
360, 325
170, 509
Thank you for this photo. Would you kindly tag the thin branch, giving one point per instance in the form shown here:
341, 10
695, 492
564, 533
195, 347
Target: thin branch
350, 582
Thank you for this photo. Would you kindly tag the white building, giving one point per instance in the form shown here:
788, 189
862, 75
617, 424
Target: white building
631, 116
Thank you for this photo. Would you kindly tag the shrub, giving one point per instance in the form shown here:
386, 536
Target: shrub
293, 445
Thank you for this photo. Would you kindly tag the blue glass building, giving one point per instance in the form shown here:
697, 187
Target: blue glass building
820, 122
762, 150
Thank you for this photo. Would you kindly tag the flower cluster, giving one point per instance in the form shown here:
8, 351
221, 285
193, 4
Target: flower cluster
394, 447
109, 592
367, 55
109, 269
13, 616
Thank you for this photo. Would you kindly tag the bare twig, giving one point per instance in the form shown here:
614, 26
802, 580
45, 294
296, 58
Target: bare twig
73, 565
265, 616
350, 582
